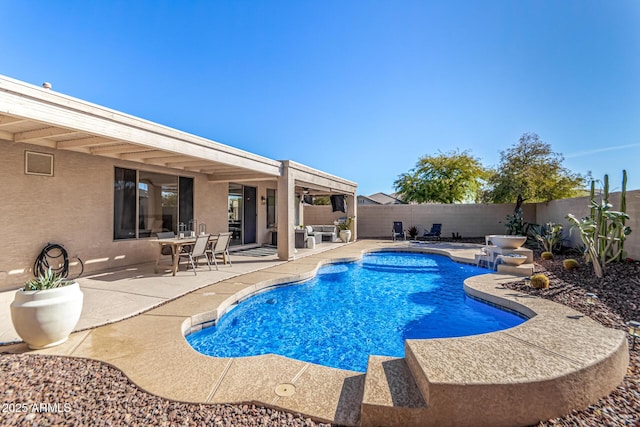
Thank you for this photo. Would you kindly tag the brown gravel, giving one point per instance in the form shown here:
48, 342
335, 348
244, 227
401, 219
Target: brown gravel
82, 392
58, 391
618, 302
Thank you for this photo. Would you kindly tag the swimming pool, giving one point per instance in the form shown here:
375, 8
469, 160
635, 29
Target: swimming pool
352, 310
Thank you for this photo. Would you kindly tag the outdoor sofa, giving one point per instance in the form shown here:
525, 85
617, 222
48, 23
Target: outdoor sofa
326, 233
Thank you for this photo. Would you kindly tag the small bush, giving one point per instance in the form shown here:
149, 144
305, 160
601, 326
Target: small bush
570, 264
546, 255
539, 281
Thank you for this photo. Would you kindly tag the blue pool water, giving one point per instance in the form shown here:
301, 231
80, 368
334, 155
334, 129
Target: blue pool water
352, 310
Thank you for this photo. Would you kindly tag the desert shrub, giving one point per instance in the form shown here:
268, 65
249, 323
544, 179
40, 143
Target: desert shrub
549, 236
570, 264
546, 255
539, 281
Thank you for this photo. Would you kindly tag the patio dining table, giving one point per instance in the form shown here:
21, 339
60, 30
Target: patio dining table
176, 244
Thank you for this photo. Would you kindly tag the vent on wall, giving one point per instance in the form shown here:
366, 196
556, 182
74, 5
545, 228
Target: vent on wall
38, 163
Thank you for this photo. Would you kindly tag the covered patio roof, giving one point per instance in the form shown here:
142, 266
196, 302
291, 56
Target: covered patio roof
35, 115
40, 116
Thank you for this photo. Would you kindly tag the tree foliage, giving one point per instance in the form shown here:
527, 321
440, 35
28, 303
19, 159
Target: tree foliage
444, 178
530, 171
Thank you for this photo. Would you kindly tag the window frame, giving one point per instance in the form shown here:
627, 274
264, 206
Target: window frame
123, 198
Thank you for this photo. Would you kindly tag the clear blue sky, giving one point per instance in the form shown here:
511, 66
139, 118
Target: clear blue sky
360, 89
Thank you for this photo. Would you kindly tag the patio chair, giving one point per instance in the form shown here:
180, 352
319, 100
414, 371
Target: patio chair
436, 230
398, 230
220, 247
198, 250
166, 250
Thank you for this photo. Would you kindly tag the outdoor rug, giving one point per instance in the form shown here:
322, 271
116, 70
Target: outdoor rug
257, 252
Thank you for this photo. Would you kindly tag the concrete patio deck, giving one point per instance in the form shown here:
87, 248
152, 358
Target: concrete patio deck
557, 360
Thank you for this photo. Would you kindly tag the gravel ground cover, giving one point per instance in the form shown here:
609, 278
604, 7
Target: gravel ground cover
59, 391
618, 302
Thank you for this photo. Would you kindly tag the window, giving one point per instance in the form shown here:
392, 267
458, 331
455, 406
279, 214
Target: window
235, 213
146, 203
243, 214
272, 218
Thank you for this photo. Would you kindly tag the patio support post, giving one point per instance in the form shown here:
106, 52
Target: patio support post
286, 212
352, 210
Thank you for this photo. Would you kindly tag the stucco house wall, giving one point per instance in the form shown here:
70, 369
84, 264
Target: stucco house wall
77, 203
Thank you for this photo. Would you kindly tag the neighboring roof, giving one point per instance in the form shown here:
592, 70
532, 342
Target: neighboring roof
369, 199
36, 115
385, 199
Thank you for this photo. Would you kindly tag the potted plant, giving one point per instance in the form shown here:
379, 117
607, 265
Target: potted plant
413, 232
45, 311
345, 229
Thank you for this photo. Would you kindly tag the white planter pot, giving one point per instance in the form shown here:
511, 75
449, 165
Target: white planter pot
345, 235
46, 318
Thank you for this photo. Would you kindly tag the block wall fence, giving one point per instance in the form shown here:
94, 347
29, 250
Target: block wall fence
477, 220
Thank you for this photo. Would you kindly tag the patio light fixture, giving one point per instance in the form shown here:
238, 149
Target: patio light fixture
634, 331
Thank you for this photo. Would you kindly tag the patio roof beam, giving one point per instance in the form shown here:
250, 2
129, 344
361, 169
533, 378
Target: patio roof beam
191, 163
32, 135
115, 149
220, 178
84, 142
43, 142
313, 189
163, 161
144, 155
9, 120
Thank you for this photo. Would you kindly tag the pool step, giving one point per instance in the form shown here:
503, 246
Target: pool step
391, 396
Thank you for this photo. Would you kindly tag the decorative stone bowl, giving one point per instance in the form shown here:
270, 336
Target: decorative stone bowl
507, 241
513, 259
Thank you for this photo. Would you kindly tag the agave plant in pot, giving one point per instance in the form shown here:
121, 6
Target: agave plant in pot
45, 311
345, 229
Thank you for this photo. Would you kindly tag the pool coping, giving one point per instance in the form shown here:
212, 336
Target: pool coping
556, 361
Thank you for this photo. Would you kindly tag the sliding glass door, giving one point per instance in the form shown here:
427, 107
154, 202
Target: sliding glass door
242, 214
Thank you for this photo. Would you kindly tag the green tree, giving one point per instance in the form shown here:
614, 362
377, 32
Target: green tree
444, 178
530, 171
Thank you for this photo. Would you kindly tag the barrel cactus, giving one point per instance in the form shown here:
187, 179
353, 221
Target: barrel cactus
539, 281
570, 264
